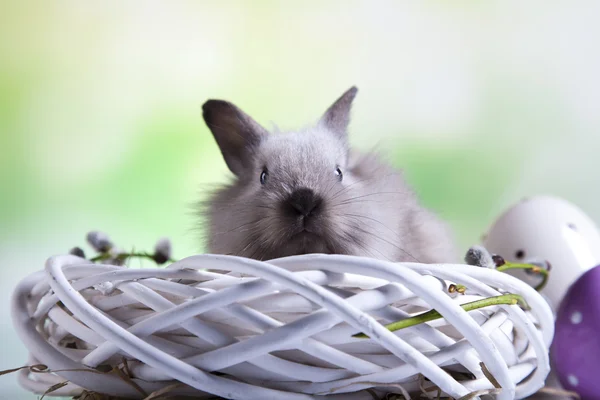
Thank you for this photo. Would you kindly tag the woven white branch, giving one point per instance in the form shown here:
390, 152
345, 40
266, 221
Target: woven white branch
281, 329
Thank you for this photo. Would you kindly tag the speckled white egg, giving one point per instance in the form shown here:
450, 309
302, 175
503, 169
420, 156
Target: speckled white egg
548, 228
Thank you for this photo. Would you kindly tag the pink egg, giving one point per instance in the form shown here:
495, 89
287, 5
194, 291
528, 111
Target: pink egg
576, 346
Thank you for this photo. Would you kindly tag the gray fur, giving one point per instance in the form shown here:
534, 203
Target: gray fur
370, 212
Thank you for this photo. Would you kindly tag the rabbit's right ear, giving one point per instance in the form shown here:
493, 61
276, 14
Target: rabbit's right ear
236, 133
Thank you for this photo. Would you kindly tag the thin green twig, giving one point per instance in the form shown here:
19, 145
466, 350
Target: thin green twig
431, 315
125, 256
533, 268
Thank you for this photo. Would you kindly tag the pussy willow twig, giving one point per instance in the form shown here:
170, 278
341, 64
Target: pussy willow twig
125, 256
533, 268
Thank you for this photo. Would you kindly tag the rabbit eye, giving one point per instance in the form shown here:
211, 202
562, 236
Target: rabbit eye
338, 173
263, 177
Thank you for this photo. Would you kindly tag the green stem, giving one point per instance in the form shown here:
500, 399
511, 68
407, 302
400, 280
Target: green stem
536, 268
505, 299
124, 256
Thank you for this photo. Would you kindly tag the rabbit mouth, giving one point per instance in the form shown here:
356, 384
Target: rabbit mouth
308, 227
305, 234
306, 242
306, 237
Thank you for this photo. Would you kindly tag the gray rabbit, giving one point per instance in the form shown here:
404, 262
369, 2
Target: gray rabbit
306, 192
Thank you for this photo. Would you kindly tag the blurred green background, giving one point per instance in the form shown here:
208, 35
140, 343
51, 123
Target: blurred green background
100, 124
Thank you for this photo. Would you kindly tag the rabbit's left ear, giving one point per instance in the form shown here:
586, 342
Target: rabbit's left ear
337, 116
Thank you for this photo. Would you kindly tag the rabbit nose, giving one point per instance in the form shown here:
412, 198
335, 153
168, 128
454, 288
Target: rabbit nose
304, 202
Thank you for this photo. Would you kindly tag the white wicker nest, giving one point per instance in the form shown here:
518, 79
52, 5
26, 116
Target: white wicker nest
281, 329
